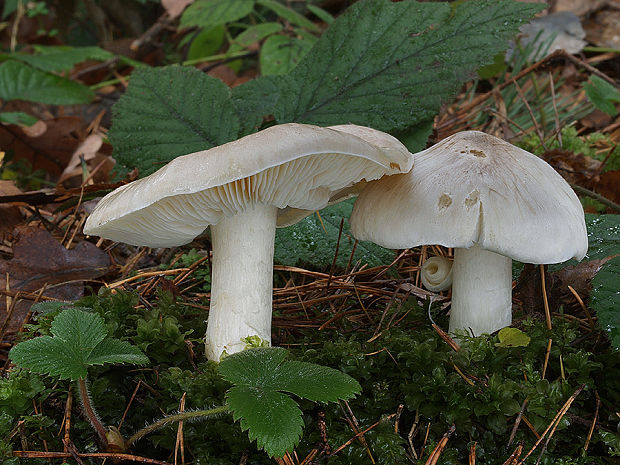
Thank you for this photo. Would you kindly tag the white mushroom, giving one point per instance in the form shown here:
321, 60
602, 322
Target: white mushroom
489, 200
238, 188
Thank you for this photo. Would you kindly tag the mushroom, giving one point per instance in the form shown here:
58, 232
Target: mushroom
238, 189
492, 202
436, 273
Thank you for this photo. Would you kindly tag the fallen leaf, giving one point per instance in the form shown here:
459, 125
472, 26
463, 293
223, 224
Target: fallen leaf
174, 8
528, 290
602, 28
608, 185
10, 214
40, 260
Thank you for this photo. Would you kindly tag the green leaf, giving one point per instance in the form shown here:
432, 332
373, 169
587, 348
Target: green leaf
605, 299
253, 100
512, 337
271, 417
313, 241
602, 94
78, 341
604, 241
206, 42
280, 54
210, 13
255, 34
320, 13
391, 65
61, 58
290, 15
19, 81
170, 111
17, 117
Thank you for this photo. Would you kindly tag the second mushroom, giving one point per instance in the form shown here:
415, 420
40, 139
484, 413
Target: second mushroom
492, 202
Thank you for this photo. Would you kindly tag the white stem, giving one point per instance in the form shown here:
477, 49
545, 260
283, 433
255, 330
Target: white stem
242, 280
481, 291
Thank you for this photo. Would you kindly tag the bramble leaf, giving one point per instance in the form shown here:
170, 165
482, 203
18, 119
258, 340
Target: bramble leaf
78, 341
261, 376
279, 54
170, 111
18, 81
390, 65
312, 241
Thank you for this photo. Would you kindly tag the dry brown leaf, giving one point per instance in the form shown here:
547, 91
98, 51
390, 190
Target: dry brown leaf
40, 260
528, 290
50, 151
10, 215
174, 8
608, 185
88, 150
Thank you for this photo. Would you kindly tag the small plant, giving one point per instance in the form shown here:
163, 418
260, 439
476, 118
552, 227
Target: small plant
79, 341
261, 379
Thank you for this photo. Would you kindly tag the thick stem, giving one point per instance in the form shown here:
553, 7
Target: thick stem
481, 291
90, 411
242, 280
183, 416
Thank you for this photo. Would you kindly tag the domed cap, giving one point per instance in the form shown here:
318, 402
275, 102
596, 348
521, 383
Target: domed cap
295, 165
473, 188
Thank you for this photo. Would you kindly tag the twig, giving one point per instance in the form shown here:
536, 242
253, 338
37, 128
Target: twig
543, 286
593, 195
434, 457
554, 423
102, 455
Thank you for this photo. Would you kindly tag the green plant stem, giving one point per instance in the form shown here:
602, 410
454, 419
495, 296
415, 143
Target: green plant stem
218, 57
90, 411
174, 418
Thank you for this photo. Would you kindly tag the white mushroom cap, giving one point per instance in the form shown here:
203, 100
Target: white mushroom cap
473, 188
289, 165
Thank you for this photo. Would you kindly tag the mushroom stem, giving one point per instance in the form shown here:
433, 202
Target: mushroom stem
242, 280
481, 291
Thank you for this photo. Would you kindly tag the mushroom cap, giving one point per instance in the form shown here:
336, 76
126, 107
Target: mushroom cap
289, 165
473, 188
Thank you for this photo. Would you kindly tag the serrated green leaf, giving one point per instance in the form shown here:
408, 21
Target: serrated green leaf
602, 94
253, 366
170, 111
314, 382
512, 337
17, 117
210, 13
254, 100
271, 418
78, 341
290, 15
391, 65
61, 58
312, 241
19, 81
116, 351
280, 54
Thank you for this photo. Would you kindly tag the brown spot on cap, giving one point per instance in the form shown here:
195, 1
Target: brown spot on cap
477, 153
444, 201
472, 198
